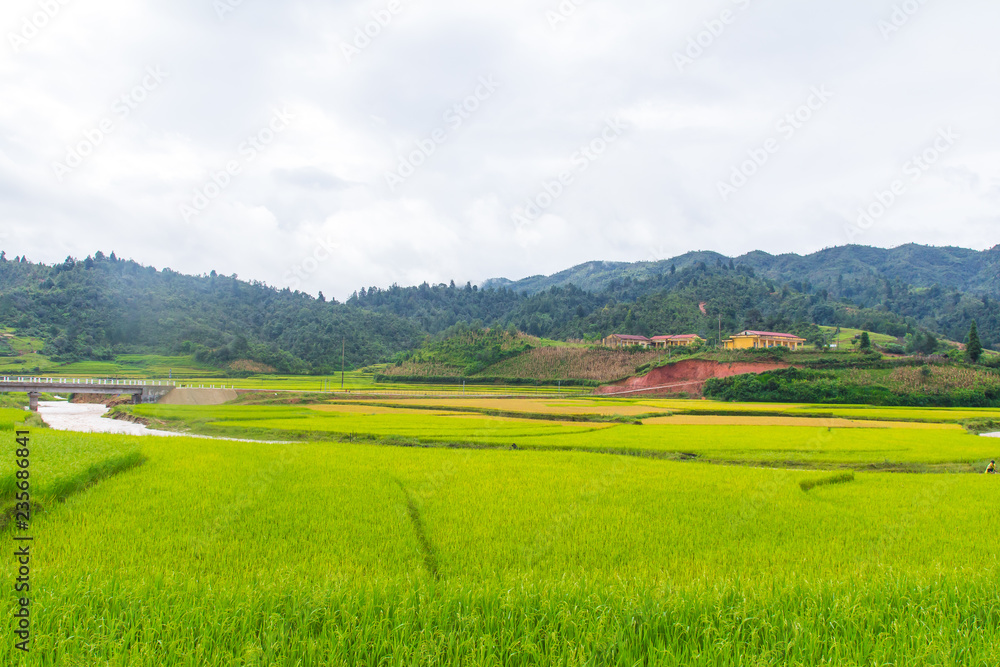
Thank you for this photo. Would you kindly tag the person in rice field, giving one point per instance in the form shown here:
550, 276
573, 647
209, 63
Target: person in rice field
991, 469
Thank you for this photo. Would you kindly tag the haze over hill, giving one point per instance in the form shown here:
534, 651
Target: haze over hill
973, 271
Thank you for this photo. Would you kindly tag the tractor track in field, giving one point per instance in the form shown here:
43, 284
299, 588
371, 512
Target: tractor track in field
83, 481
426, 548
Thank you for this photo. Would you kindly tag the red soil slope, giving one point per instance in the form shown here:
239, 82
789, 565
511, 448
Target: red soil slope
685, 376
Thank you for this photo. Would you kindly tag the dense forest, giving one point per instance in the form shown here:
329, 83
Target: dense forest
699, 298
101, 306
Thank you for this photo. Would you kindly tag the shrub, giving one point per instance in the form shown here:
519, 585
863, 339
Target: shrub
978, 426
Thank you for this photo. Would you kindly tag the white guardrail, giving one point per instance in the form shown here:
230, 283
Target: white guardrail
109, 382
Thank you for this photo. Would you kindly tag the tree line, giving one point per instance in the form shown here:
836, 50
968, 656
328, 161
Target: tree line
102, 306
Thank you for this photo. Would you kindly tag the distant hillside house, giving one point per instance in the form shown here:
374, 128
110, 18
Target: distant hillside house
623, 340
758, 339
676, 341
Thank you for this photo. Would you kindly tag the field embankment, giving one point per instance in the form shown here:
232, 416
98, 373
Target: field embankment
109, 400
195, 396
685, 377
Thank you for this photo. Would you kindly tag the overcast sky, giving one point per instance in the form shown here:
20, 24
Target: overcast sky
333, 145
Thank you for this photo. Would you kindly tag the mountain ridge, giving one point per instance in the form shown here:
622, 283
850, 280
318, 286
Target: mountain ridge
973, 271
99, 307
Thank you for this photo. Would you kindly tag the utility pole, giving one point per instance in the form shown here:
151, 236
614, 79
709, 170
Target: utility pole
720, 330
343, 352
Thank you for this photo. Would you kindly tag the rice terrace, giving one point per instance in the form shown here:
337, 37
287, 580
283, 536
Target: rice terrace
384, 525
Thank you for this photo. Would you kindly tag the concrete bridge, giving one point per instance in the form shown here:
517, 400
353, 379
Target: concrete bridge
142, 391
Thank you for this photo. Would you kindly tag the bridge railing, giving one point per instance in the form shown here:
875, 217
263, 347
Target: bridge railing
109, 382
114, 385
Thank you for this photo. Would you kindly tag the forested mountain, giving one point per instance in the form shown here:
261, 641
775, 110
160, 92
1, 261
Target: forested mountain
101, 306
920, 266
694, 298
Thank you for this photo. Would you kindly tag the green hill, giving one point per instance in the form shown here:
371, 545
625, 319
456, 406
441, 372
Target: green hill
920, 266
699, 298
103, 307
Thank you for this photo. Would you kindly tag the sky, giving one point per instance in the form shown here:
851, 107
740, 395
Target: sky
327, 146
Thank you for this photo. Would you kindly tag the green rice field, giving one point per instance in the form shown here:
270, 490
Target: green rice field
908, 437
407, 534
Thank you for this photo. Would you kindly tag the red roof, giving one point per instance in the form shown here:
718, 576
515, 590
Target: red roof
628, 337
680, 337
769, 334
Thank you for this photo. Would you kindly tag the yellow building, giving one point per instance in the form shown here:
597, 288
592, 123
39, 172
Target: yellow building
677, 341
761, 339
623, 340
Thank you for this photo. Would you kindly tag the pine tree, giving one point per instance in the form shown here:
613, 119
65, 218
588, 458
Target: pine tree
866, 341
974, 349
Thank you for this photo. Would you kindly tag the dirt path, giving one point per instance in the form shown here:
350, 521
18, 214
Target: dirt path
193, 396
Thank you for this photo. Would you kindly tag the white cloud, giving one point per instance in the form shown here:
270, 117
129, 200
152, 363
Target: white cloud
652, 194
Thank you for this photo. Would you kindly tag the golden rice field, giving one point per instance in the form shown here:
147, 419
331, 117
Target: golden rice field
417, 536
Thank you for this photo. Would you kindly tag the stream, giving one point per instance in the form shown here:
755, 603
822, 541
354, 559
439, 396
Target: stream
88, 418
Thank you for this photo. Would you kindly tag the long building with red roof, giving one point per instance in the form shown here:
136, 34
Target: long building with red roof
681, 340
